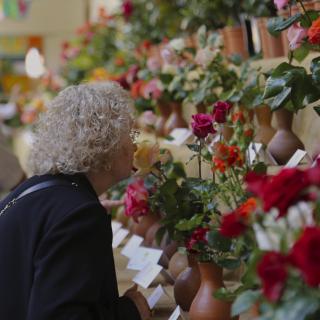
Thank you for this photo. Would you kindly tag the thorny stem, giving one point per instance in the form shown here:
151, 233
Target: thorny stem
199, 158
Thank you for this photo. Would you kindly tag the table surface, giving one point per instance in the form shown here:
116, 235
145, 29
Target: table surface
166, 305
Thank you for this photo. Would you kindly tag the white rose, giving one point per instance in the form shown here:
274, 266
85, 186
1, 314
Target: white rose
177, 44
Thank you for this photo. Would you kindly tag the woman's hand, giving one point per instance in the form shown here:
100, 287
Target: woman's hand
110, 204
140, 302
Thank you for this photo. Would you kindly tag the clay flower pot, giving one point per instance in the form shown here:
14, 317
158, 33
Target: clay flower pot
164, 113
235, 40
265, 131
204, 305
187, 284
144, 224
284, 143
177, 264
175, 119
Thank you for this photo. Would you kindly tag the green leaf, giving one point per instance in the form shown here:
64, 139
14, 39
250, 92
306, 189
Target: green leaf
187, 225
278, 24
218, 241
169, 187
301, 53
176, 171
317, 110
315, 70
244, 302
202, 36
280, 99
230, 264
260, 167
194, 147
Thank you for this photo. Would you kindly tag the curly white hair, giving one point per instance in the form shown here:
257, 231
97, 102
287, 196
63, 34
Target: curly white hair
81, 129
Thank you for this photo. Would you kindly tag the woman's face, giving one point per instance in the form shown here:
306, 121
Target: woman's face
122, 163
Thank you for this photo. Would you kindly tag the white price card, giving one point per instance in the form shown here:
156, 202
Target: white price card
155, 296
119, 237
176, 314
144, 256
254, 150
115, 226
145, 277
179, 136
296, 158
131, 246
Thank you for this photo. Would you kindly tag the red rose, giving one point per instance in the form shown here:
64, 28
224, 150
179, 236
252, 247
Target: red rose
127, 9
305, 255
272, 270
238, 117
220, 111
136, 200
198, 236
280, 191
314, 32
234, 224
202, 125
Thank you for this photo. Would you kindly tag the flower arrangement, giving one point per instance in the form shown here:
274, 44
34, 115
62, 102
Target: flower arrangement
284, 228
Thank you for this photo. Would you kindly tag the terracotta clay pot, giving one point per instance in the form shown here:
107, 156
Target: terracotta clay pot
227, 132
271, 46
317, 5
177, 264
151, 234
284, 143
204, 305
144, 224
201, 108
169, 249
235, 40
164, 113
265, 131
187, 284
175, 119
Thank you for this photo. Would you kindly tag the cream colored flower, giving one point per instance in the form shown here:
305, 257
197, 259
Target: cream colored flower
177, 44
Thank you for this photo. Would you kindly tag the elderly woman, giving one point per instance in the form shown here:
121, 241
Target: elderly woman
56, 260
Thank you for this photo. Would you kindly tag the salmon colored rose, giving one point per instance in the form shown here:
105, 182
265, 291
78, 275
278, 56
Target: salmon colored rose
314, 32
136, 200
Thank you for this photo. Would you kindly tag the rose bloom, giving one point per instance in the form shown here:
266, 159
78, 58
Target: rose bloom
198, 236
152, 90
132, 73
238, 117
146, 155
296, 34
136, 200
220, 111
127, 9
226, 156
280, 4
153, 64
235, 223
272, 270
137, 89
280, 191
305, 255
314, 32
202, 125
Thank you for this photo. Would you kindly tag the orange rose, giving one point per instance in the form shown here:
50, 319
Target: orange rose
314, 32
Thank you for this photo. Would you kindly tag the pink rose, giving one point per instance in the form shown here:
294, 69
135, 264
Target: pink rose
152, 90
202, 125
149, 118
153, 64
296, 34
136, 200
132, 73
280, 4
127, 9
220, 111
204, 57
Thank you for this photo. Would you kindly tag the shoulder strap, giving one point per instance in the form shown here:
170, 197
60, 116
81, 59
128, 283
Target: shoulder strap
37, 187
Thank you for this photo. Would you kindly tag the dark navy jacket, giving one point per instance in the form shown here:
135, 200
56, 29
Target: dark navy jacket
56, 260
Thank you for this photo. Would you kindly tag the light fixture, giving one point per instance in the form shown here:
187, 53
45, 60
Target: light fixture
34, 63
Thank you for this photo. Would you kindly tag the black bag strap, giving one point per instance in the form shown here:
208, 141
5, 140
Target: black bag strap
37, 187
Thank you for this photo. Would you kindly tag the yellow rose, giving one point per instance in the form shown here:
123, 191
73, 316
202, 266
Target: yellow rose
145, 157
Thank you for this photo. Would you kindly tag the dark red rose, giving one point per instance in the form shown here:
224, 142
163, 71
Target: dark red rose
305, 255
272, 270
280, 191
122, 80
235, 223
132, 74
220, 111
127, 9
202, 125
198, 236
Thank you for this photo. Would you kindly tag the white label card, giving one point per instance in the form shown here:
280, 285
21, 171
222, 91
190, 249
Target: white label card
145, 277
296, 158
180, 136
176, 314
155, 296
131, 246
144, 256
115, 225
254, 150
119, 237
